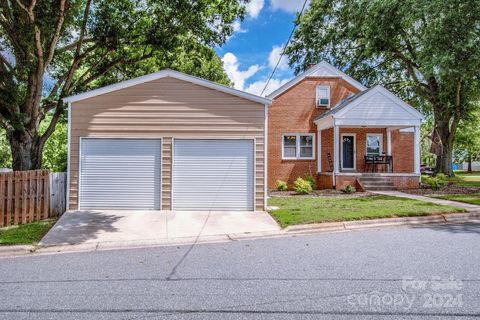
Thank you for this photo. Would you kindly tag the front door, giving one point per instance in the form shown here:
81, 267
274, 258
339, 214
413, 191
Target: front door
348, 151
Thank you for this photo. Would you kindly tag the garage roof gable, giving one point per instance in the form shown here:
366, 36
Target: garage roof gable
163, 74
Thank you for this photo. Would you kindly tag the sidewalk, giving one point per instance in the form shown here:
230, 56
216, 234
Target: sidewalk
468, 207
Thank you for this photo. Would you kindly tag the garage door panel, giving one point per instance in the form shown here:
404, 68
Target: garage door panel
213, 175
120, 174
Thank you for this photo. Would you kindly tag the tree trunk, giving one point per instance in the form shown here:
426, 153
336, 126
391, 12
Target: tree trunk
444, 161
469, 163
26, 151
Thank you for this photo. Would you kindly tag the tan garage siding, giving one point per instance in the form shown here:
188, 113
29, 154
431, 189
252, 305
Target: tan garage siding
167, 174
167, 108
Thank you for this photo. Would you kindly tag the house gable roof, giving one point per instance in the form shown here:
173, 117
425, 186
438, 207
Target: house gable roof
163, 74
322, 69
374, 103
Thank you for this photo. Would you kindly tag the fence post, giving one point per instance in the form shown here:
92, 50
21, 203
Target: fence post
57, 193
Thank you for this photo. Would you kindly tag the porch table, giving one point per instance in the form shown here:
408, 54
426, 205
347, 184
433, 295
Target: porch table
373, 161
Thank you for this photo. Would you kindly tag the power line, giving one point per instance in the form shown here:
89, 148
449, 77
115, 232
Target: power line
283, 51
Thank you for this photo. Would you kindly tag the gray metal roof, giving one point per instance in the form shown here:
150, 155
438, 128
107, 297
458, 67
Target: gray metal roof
342, 104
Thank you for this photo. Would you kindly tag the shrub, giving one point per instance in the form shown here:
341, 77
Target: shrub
308, 177
281, 185
302, 186
442, 177
349, 189
437, 182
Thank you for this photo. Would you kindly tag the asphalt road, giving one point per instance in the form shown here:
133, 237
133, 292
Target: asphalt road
423, 272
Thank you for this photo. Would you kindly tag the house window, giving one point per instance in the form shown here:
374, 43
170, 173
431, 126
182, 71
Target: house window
374, 144
323, 96
289, 146
298, 146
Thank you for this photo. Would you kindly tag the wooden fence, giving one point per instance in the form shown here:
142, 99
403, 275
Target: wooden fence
58, 188
26, 196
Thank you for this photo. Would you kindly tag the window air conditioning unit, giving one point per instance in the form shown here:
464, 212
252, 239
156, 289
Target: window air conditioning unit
323, 102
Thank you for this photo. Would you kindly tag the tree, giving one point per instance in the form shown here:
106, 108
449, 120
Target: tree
5, 155
425, 50
467, 141
50, 49
54, 156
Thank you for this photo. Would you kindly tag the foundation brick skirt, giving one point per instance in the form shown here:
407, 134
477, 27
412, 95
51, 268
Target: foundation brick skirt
325, 181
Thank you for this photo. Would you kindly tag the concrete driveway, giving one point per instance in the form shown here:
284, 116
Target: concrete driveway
121, 227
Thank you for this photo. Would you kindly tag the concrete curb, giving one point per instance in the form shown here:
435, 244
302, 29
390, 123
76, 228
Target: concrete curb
361, 224
17, 250
314, 228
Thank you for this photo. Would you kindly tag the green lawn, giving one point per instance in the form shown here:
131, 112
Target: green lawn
463, 178
473, 198
25, 234
302, 210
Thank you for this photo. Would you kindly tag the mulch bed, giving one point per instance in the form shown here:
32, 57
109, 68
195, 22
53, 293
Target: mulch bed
450, 189
319, 193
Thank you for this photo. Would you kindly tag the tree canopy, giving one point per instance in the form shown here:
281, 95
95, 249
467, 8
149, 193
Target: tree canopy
50, 49
424, 50
467, 141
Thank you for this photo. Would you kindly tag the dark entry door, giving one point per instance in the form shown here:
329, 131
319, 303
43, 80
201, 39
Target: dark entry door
348, 147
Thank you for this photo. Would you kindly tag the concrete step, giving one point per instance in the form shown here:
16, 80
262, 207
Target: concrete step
375, 179
380, 188
378, 183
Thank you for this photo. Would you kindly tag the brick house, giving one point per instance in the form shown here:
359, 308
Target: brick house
327, 124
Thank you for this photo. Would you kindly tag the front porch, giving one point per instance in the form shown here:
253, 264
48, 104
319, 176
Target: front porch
372, 136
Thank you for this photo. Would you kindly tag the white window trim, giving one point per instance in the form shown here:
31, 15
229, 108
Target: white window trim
328, 93
381, 142
297, 140
354, 135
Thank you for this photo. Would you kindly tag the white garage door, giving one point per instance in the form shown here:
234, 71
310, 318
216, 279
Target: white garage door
213, 175
120, 174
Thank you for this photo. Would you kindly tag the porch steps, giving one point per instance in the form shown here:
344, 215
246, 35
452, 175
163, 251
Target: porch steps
377, 183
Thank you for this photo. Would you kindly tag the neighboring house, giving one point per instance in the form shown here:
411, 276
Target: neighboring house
167, 141
327, 124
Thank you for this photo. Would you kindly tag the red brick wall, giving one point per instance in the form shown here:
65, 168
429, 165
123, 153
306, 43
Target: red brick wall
327, 147
294, 112
406, 182
343, 181
403, 151
325, 181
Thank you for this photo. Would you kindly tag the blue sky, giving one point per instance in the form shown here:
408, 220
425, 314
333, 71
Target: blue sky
250, 55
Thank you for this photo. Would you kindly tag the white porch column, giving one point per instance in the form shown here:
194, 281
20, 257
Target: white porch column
417, 149
319, 150
389, 142
336, 149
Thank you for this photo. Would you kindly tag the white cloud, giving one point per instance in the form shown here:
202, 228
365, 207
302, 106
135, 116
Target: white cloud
254, 7
274, 56
237, 27
288, 5
231, 65
257, 86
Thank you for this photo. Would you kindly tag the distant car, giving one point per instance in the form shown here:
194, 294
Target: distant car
425, 169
